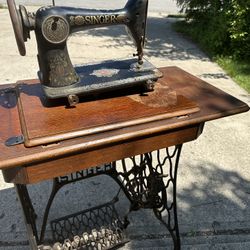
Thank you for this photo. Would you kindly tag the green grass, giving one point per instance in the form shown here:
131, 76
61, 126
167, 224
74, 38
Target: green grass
2, 6
177, 15
238, 70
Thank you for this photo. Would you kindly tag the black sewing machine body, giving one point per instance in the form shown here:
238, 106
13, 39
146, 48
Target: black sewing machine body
53, 25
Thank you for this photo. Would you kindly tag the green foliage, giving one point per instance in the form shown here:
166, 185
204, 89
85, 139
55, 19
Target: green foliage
220, 26
239, 29
237, 68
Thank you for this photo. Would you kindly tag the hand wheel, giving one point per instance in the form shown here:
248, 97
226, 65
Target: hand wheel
17, 24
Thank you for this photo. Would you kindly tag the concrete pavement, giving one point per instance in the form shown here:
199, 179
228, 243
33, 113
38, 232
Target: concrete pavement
214, 173
165, 6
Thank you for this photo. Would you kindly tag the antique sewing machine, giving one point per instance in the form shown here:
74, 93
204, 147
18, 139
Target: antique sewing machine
59, 78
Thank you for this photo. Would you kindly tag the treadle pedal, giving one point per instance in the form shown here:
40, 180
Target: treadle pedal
98, 228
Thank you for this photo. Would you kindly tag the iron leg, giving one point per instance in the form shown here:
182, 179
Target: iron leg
29, 215
171, 207
150, 181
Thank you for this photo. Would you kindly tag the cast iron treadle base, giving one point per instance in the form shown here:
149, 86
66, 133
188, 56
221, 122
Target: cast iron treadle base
96, 228
148, 180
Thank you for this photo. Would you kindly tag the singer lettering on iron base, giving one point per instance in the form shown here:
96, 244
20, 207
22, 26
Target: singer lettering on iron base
93, 20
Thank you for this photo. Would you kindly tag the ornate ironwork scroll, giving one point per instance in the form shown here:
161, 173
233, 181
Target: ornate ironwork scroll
149, 181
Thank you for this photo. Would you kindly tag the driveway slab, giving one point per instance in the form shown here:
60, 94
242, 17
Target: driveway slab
214, 173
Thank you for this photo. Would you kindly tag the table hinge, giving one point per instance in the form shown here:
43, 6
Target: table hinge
15, 140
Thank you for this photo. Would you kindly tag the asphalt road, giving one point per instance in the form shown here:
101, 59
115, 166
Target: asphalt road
168, 6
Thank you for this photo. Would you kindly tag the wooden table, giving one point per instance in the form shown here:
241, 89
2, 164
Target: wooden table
59, 141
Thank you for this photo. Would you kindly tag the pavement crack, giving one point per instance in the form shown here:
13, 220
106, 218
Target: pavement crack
13, 243
207, 203
193, 234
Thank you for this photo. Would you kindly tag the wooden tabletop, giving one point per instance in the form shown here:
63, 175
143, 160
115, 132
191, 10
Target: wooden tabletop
202, 103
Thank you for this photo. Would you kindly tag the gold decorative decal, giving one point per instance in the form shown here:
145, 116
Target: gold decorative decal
61, 72
95, 20
105, 72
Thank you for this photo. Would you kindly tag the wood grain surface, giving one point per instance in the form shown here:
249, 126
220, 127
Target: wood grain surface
27, 164
45, 122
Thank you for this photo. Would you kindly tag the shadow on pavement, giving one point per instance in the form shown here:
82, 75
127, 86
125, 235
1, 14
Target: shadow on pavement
217, 206
162, 41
